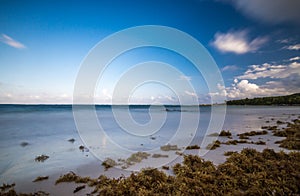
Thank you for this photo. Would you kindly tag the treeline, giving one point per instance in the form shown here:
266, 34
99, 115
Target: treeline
293, 99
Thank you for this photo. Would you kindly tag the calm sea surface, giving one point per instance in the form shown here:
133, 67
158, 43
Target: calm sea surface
27, 131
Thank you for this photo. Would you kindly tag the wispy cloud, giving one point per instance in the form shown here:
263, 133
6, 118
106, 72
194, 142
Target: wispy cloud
293, 47
230, 68
11, 42
296, 58
237, 42
191, 93
267, 70
184, 77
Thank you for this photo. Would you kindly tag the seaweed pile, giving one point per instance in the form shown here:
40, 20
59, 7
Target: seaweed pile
292, 134
192, 147
125, 163
8, 190
225, 133
246, 173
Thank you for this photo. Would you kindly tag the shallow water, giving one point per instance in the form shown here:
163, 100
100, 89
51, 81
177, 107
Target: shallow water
47, 129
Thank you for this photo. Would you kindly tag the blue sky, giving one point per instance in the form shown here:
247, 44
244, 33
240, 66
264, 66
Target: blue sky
256, 45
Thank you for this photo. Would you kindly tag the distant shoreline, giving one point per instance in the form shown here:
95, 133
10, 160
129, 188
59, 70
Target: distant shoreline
288, 100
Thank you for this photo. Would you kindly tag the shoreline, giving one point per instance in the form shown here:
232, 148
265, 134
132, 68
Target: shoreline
93, 169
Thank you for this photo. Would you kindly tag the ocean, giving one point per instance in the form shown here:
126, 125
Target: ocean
28, 131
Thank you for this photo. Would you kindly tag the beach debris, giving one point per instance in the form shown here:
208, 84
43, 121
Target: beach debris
260, 142
292, 134
72, 140
4, 186
243, 137
82, 148
192, 147
41, 178
79, 188
165, 167
24, 144
279, 122
152, 137
242, 141
272, 128
229, 153
160, 156
125, 163
108, 163
213, 135
253, 133
169, 147
179, 153
137, 157
41, 158
72, 177
230, 142
225, 133
213, 145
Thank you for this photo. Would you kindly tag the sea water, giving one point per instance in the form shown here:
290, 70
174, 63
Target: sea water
27, 131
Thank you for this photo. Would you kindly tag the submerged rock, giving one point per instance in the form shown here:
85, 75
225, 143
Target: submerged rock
41, 158
23, 144
41, 178
72, 140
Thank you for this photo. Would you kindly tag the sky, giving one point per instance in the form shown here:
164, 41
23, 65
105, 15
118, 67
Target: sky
255, 44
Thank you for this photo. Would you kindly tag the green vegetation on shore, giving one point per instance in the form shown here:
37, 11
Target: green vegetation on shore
293, 99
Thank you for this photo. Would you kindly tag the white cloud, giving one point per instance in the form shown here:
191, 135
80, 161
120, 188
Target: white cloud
237, 42
244, 89
230, 68
270, 71
293, 47
269, 11
191, 93
184, 77
277, 80
295, 58
11, 42
34, 98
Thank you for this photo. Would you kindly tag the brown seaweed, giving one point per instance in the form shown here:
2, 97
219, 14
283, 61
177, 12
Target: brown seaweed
246, 173
225, 133
192, 147
169, 147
